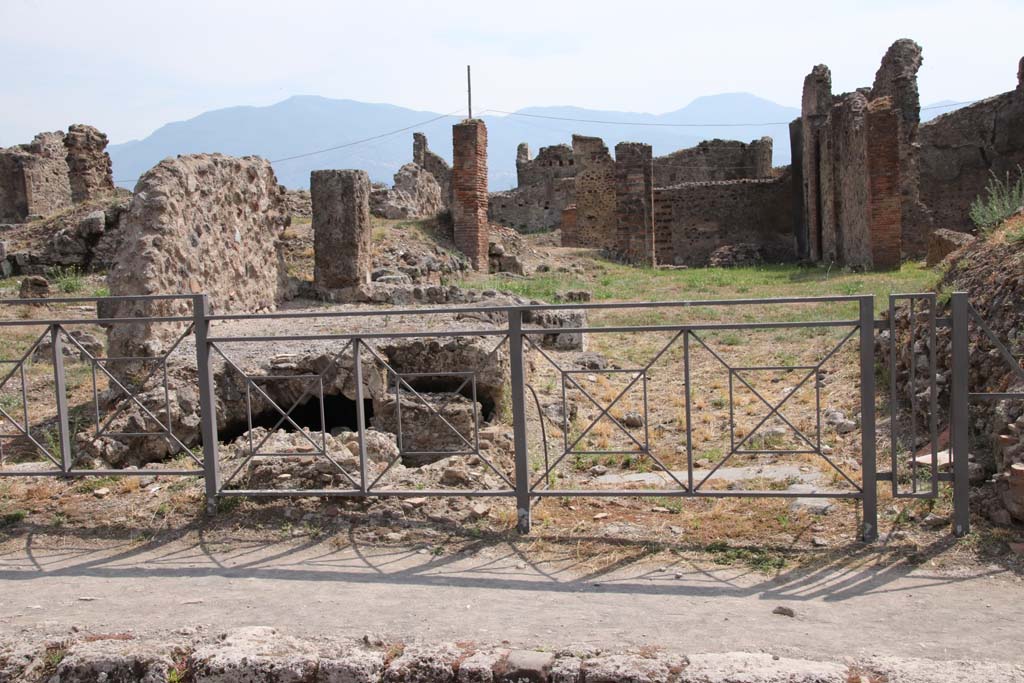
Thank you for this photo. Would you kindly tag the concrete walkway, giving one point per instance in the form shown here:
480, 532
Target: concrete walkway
494, 593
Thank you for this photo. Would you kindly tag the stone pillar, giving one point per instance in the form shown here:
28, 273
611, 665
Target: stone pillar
1020, 74
342, 232
796, 150
469, 190
815, 106
90, 171
884, 200
634, 202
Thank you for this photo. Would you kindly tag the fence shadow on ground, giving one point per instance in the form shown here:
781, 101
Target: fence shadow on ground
500, 561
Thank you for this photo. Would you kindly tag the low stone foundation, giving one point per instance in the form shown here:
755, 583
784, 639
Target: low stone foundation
260, 653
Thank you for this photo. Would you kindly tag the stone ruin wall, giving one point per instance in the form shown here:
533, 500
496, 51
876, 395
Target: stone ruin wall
620, 208
962, 149
198, 223
713, 160
421, 188
596, 215
896, 79
692, 220
469, 190
90, 171
545, 187
434, 164
53, 172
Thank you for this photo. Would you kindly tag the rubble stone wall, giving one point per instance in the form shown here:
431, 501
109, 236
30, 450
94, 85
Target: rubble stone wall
961, 150
595, 195
53, 171
713, 160
697, 218
469, 190
90, 171
342, 231
35, 176
198, 223
546, 185
434, 164
634, 200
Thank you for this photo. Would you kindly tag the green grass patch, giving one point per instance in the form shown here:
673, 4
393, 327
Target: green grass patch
12, 518
760, 559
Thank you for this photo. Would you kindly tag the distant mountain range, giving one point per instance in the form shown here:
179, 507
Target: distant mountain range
303, 124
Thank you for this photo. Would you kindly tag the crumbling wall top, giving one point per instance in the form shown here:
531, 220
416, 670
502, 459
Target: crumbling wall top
817, 92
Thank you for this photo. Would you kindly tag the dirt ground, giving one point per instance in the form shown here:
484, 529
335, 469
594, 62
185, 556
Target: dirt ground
496, 592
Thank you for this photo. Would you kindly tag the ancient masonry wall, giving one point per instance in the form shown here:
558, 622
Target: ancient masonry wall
691, 220
545, 186
35, 178
839, 152
713, 160
469, 190
198, 223
815, 106
962, 149
896, 79
634, 200
342, 231
435, 164
90, 171
595, 195
53, 171
846, 237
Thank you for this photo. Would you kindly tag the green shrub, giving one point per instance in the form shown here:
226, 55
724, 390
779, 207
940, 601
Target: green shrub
67, 278
1002, 198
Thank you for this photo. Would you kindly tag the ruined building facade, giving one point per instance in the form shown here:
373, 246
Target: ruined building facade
53, 172
545, 187
622, 208
857, 155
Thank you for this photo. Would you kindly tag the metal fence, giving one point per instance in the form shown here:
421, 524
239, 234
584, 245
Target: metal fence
532, 473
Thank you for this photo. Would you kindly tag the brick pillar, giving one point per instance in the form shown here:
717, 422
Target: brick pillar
469, 190
884, 203
342, 232
634, 202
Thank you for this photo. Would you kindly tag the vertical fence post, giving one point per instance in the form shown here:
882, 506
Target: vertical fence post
357, 366
959, 418
207, 404
522, 460
60, 389
869, 530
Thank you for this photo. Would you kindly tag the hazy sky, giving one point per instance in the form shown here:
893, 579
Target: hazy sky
128, 67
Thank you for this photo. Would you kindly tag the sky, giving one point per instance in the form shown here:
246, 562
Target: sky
129, 67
